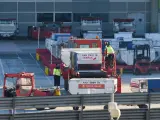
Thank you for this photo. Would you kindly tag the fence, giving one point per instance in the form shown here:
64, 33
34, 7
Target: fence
78, 100
131, 114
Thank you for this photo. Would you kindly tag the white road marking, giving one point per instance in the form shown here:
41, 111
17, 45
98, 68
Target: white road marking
1, 66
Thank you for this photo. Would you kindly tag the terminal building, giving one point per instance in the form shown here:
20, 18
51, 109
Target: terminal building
33, 12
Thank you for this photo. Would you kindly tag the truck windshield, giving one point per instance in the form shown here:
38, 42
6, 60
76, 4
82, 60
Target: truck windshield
89, 67
6, 22
10, 82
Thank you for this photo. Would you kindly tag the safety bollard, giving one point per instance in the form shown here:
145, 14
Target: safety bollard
57, 92
46, 70
121, 71
37, 57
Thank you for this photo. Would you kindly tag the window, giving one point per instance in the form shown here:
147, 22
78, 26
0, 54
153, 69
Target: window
94, 45
84, 46
103, 16
44, 17
77, 16
75, 45
63, 17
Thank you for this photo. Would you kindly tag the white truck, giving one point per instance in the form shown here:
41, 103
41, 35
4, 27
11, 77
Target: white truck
91, 27
8, 28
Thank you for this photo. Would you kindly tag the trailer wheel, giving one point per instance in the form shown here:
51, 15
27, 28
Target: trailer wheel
143, 106
83, 107
75, 108
105, 107
52, 108
40, 108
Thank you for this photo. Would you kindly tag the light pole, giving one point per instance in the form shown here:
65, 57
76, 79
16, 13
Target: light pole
38, 35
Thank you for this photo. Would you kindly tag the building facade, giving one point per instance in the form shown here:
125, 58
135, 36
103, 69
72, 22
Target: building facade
33, 12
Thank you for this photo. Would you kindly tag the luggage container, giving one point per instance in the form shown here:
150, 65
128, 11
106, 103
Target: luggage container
66, 53
55, 43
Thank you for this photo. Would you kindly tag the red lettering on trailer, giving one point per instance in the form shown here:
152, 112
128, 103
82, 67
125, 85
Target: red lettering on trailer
134, 85
90, 86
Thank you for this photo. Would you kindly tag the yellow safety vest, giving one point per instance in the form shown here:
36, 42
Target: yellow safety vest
110, 50
57, 72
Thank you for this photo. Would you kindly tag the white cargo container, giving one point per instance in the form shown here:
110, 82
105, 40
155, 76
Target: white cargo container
92, 85
124, 35
89, 57
65, 53
92, 34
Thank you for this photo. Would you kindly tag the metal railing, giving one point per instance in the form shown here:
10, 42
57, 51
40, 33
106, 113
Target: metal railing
78, 100
127, 114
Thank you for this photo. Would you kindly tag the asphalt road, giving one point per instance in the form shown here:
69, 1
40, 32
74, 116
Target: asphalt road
19, 56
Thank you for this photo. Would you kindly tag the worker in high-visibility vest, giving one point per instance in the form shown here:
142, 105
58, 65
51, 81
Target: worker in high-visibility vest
57, 75
109, 53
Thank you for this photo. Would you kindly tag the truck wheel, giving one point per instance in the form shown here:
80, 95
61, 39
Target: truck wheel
105, 107
143, 106
40, 108
75, 108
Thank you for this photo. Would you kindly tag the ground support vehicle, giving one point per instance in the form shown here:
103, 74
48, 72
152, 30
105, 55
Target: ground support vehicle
141, 60
123, 25
143, 85
54, 47
8, 28
85, 69
91, 27
23, 85
46, 29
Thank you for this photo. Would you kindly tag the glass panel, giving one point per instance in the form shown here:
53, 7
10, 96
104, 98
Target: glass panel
94, 45
6, 22
63, 17
44, 17
84, 46
24, 82
77, 16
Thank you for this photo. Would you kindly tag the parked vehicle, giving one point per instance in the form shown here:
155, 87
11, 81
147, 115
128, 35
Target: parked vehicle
8, 28
145, 85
